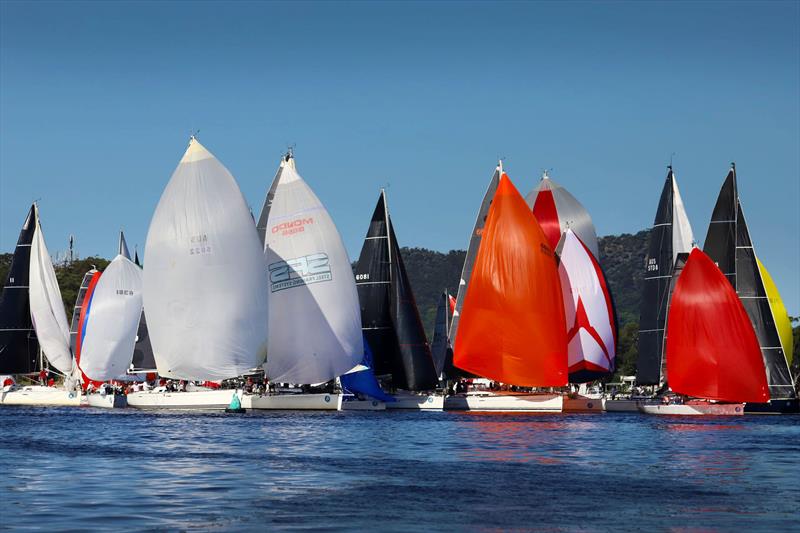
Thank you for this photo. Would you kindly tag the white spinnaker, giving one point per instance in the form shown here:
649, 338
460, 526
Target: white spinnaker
593, 340
205, 285
47, 308
107, 347
682, 237
315, 316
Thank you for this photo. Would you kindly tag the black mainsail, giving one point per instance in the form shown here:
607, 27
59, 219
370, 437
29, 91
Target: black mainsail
441, 346
729, 245
18, 345
389, 316
143, 358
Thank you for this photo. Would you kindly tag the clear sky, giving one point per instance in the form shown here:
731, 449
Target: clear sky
97, 101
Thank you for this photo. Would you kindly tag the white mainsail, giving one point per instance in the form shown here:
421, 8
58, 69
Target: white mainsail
107, 347
682, 236
205, 285
47, 308
315, 316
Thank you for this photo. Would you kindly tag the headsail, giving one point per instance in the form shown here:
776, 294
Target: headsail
441, 347
779, 313
88, 283
512, 324
314, 319
18, 345
107, 346
557, 210
47, 307
123, 246
205, 285
712, 350
590, 318
670, 235
728, 244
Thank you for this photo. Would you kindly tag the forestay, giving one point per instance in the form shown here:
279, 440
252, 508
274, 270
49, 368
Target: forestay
205, 285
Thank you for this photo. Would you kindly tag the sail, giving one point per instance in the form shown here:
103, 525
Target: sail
513, 327
143, 359
263, 217
779, 313
205, 285
47, 307
123, 246
557, 210
373, 276
441, 340
116, 306
472, 248
18, 345
361, 379
75, 330
670, 235
728, 244
136, 258
590, 320
712, 350
314, 319
417, 369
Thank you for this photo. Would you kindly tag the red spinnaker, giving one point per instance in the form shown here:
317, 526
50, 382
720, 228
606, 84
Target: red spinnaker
512, 325
547, 216
712, 350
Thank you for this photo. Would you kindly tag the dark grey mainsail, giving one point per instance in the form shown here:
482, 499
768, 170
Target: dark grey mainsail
18, 345
472, 249
389, 315
729, 245
143, 358
441, 347
670, 236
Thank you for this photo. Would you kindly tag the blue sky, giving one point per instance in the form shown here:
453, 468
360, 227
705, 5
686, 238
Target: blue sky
97, 101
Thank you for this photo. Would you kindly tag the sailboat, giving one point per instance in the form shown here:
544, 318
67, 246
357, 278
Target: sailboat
314, 319
556, 211
590, 318
512, 328
109, 327
390, 318
729, 245
442, 345
670, 236
712, 352
205, 286
48, 318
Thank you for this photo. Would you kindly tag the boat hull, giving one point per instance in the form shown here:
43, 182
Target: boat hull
293, 402
691, 409
205, 400
773, 407
106, 401
419, 402
533, 403
620, 406
40, 396
582, 405
363, 405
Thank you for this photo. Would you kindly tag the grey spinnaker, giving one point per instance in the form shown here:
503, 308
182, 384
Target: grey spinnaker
18, 345
728, 244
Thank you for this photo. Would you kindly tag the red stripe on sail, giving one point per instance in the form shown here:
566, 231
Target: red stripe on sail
544, 209
582, 323
712, 349
604, 286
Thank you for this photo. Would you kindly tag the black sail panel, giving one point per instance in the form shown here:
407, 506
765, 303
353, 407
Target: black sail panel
440, 342
143, 358
657, 276
720, 243
18, 345
750, 287
418, 370
373, 282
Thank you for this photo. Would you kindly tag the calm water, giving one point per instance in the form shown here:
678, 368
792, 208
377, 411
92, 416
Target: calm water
89, 469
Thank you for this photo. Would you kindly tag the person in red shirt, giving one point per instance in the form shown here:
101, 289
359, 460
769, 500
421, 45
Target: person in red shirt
43, 377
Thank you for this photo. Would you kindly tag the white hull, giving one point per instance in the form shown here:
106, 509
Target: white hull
363, 405
705, 409
418, 402
620, 406
106, 401
293, 402
582, 405
487, 401
40, 395
210, 399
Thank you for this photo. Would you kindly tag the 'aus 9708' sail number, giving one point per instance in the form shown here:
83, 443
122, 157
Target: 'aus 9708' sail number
304, 270
652, 264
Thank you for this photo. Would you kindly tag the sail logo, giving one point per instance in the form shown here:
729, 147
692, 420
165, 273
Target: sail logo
652, 265
362, 277
314, 268
199, 244
292, 227
124, 292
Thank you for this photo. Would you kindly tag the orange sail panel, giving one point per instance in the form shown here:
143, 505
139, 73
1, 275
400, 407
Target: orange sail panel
712, 350
512, 325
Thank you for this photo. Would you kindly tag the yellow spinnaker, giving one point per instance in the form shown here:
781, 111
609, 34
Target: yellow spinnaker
778, 312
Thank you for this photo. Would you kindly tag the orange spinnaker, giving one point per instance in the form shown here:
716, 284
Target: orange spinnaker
512, 326
712, 350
